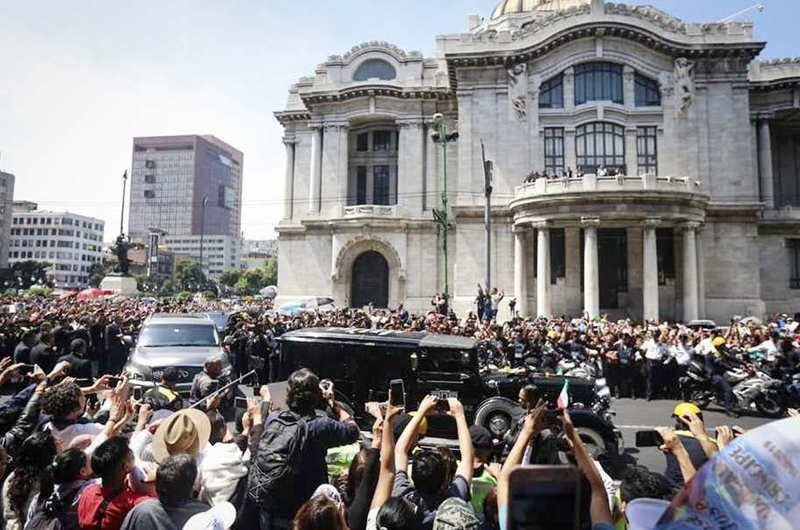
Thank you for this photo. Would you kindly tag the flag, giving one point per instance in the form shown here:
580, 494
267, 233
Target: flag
563, 397
125, 175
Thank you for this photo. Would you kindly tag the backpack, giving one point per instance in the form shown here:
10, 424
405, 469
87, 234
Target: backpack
276, 471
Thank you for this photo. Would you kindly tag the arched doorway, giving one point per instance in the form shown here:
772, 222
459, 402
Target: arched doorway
370, 280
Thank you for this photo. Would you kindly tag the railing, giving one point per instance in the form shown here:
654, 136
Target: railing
593, 183
371, 210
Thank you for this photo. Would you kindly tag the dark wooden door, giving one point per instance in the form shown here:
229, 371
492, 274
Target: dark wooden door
370, 281
612, 253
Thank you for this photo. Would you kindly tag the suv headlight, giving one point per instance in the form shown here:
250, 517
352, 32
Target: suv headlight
135, 375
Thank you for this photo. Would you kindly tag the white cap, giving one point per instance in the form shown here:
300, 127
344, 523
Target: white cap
219, 517
643, 514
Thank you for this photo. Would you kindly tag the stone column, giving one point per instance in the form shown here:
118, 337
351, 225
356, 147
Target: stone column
650, 270
543, 308
334, 168
765, 163
631, 152
288, 179
411, 161
690, 306
342, 173
591, 277
629, 87
520, 270
315, 180
701, 276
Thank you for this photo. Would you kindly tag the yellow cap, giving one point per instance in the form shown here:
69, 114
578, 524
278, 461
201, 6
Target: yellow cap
718, 341
553, 335
423, 425
683, 409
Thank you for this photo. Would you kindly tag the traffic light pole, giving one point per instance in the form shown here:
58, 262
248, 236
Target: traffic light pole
441, 216
487, 181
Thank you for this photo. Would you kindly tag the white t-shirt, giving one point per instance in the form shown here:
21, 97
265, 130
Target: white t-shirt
66, 435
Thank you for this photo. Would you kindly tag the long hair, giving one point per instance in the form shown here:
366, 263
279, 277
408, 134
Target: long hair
33, 467
303, 393
319, 513
66, 468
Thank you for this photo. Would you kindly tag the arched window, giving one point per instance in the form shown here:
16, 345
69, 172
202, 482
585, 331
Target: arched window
598, 145
375, 69
551, 93
598, 82
647, 92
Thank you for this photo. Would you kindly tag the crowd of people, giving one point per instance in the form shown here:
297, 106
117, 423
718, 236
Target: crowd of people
567, 173
77, 451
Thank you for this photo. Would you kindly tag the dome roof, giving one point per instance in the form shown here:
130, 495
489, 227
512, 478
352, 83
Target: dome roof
508, 7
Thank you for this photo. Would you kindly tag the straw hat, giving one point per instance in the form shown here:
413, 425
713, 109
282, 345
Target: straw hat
187, 431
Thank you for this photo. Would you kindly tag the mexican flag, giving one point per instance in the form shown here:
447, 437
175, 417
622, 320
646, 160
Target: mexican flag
563, 397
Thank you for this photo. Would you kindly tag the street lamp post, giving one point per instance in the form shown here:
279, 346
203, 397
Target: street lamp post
441, 136
202, 230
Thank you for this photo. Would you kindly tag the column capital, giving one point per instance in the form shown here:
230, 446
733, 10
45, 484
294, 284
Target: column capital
520, 228
590, 222
289, 140
315, 125
652, 222
541, 225
336, 126
691, 226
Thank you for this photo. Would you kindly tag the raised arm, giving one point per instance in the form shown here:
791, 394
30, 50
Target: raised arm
532, 427
466, 466
403, 443
672, 444
599, 504
697, 428
383, 490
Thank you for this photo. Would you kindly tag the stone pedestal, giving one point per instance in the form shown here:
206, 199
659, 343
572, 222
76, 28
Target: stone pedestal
120, 285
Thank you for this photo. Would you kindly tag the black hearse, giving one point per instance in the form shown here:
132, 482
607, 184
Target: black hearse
361, 363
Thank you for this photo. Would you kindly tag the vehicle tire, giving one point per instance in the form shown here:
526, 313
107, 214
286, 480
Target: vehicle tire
768, 406
590, 436
700, 398
497, 416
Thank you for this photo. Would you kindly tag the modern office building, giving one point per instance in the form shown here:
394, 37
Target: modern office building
68, 241
6, 202
185, 186
220, 253
689, 203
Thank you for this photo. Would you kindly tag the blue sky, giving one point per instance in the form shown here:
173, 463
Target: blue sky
78, 80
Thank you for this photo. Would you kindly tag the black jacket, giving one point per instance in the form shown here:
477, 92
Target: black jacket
43, 355
12, 440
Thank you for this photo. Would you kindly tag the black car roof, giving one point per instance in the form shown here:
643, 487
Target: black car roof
410, 339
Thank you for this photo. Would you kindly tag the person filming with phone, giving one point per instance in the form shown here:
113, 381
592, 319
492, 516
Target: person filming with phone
428, 470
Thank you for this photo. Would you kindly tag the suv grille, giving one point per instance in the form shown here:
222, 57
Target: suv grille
185, 373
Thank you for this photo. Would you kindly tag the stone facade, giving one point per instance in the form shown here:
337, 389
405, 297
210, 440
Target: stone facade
700, 221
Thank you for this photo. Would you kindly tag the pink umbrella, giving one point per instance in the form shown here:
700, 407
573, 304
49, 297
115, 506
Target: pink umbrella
91, 294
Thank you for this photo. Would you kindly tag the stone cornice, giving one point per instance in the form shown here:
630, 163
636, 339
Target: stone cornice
494, 53
361, 90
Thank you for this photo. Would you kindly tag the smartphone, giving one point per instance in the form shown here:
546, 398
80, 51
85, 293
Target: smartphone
114, 381
25, 369
648, 439
544, 497
240, 402
398, 393
325, 384
138, 393
442, 405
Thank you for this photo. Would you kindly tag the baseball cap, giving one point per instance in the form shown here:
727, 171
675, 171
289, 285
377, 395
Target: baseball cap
456, 514
220, 517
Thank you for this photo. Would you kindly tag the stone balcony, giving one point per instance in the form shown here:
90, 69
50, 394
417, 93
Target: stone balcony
619, 197
370, 210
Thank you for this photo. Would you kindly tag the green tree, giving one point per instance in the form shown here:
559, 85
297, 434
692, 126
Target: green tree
188, 273
270, 271
230, 277
25, 274
97, 271
250, 282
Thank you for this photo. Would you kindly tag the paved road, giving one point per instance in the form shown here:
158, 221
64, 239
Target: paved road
637, 415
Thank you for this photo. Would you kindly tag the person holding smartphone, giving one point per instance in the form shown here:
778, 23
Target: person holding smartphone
428, 470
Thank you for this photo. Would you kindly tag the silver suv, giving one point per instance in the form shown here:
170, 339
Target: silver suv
184, 341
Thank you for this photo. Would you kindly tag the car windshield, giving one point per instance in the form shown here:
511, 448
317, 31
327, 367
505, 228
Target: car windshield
163, 335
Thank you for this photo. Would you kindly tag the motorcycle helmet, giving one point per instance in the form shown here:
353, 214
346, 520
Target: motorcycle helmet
683, 409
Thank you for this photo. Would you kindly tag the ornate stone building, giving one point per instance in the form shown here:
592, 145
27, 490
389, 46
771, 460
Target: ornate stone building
703, 143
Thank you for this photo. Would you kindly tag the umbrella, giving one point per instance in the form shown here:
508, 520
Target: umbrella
91, 294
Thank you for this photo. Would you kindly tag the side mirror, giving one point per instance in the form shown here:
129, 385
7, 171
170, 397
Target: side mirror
128, 340
414, 362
